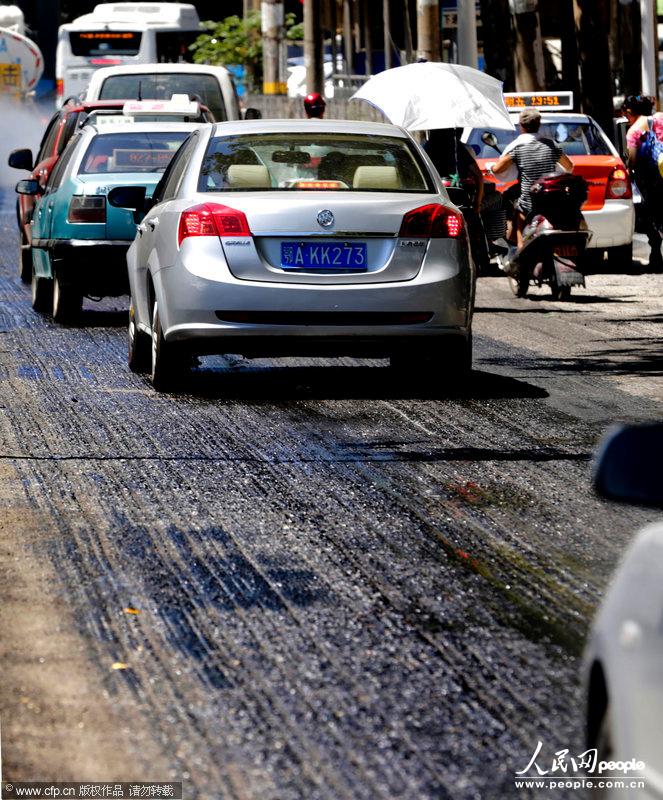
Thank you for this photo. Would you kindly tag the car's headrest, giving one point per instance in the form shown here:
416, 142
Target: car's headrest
367, 177
248, 176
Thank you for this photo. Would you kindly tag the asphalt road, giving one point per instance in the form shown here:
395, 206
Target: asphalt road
302, 579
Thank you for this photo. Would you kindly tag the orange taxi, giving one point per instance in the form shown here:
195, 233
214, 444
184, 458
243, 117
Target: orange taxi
609, 210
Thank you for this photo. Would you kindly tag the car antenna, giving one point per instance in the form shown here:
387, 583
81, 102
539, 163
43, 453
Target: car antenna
140, 90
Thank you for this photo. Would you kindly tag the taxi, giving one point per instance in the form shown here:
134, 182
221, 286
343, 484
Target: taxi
78, 239
609, 209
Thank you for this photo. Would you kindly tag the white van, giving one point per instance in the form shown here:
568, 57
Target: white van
122, 33
212, 85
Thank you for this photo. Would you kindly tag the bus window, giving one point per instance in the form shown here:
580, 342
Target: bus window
105, 43
173, 46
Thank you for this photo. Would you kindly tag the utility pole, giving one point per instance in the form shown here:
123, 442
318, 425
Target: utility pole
428, 30
386, 27
409, 47
273, 35
591, 17
313, 47
347, 37
467, 33
498, 47
647, 35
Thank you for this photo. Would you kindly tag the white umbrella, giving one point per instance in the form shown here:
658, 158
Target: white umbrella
431, 95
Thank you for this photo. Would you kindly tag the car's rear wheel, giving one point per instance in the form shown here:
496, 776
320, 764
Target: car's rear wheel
168, 366
620, 259
139, 353
24, 259
67, 300
450, 360
42, 293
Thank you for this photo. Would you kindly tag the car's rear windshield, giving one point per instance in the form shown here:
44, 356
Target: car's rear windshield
575, 139
130, 152
310, 162
105, 43
163, 85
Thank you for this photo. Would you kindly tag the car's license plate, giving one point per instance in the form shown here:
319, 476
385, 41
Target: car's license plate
567, 250
323, 255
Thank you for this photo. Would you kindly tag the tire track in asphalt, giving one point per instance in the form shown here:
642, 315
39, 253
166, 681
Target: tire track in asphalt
298, 496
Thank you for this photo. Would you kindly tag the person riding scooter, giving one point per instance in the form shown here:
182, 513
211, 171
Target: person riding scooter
534, 156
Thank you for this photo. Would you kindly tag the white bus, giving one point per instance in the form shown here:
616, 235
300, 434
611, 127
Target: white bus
122, 33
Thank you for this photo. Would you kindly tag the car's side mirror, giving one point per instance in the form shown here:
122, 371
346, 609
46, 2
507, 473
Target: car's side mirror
489, 138
28, 186
132, 197
628, 465
253, 113
21, 159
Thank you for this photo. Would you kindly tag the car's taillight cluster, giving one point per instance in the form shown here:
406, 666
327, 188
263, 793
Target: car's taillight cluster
87, 208
212, 219
619, 185
59, 87
432, 221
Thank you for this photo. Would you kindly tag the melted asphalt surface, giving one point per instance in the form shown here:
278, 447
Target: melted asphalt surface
302, 579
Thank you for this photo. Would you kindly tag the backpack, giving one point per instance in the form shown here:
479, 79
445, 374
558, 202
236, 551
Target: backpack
649, 160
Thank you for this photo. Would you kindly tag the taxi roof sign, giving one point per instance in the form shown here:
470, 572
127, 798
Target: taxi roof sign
179, 105
542, 101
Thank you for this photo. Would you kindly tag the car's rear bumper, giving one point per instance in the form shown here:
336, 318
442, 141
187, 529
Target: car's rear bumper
225, 314
96, 266
613, 225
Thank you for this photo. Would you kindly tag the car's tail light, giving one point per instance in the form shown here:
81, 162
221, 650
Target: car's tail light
433, 221
619, 185
87, 208
212, 219
59, 87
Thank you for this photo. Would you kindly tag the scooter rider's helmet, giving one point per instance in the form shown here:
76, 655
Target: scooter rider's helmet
314, 105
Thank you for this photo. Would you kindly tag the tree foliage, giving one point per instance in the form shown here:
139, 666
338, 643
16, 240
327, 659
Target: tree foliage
238, 41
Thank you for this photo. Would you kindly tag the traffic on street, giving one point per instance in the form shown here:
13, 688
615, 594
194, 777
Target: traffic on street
329, 437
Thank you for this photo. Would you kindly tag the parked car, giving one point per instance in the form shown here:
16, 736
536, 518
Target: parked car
623, 678
79, 241
286, 237
61, 127
213, 86
609, 209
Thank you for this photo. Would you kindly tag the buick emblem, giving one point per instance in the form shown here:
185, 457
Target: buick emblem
325, 218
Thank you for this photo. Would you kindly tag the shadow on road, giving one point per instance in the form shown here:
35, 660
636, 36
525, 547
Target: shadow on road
259, 384
93, 318
640, 355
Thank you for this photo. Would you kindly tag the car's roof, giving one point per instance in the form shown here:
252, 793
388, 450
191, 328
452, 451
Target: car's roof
307, 126
559, 116
140, 69
141, 127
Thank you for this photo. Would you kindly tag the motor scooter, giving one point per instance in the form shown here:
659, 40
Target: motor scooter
555, 238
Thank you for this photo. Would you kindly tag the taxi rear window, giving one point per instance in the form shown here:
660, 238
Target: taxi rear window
313, 162
575, 139
130, 152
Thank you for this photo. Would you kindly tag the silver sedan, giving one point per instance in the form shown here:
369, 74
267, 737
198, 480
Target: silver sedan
287, 237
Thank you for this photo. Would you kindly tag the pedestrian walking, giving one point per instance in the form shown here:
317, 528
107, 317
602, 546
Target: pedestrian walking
644, 143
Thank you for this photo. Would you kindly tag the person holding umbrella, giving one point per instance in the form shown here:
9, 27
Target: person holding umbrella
461, 174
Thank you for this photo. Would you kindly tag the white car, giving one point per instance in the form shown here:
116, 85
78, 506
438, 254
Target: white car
293, 237
213, 85
624, 655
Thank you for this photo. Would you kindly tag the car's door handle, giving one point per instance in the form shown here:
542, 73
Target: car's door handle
153, 223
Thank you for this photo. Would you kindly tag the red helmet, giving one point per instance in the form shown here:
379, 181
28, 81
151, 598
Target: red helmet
315, 105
